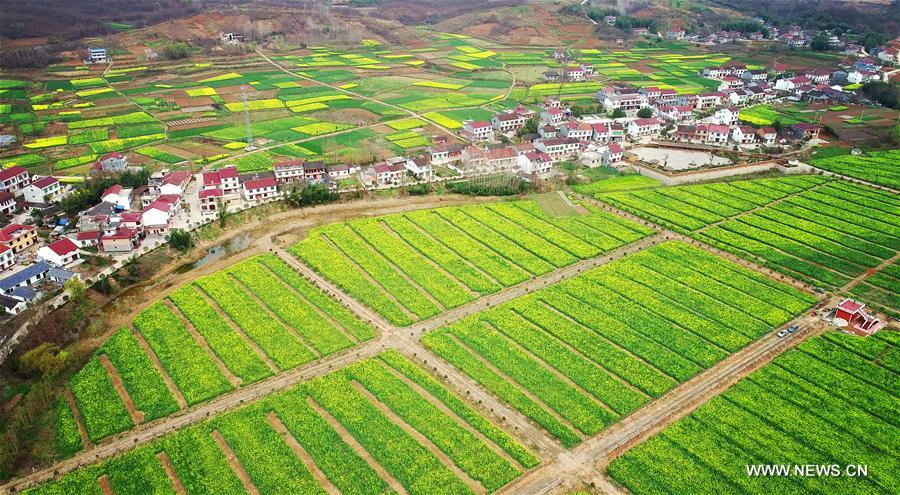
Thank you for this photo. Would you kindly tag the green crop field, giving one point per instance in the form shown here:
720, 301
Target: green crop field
879, 167
411, 267
419, 432
257, 317
818, 231
833, 400
601, 344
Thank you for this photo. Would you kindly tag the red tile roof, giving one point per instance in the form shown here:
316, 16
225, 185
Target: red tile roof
90, 235
63, 246
45, 182
6, 233
851, 306
121, 233
114, 189
260, 183
211, 193
11, 172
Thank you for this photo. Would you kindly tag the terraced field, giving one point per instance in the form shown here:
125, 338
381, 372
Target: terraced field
576, 356
413, 266
879, 167
832, 400
228, 329
381, 425
823, 232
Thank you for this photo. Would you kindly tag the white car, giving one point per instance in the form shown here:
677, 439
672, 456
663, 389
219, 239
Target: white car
783, 332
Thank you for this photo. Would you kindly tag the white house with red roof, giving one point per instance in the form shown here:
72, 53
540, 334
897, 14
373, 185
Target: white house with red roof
288, 171
730, 83
726, 116
389, 175
789, 84
210, 199
743, 134
500, 158
7, 202
175, 182
158, 215
260, 189
87, 239
717, 134
13, 179
507, 122
118, 196
576, 130
225, 179
612, 153
767, 135
708, 100
18, 237
805, 130
43, 190
552, 116
639, 128
600, 132
851, 313
675, 113
60, 253
112, 162
535, 164
7, 257
557, 148
477, 130
574, 73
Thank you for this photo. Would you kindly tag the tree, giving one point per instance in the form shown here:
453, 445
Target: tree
221, 213
895, 135
530, 126
44, 360
645, 113
180, 239
820, 42
618, 113
884, 93
310, 194
176, 51
872, 39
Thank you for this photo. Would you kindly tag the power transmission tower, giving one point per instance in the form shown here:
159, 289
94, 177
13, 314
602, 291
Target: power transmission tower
250, 146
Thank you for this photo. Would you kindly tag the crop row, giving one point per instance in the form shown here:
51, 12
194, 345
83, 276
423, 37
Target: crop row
798, 408
373, 401
577, 355
878, 166
388, 262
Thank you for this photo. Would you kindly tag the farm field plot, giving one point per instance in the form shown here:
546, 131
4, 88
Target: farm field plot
575, 356
413, 266
822, 232
834, 399
236, 326
377, 426
878, 167
881, 289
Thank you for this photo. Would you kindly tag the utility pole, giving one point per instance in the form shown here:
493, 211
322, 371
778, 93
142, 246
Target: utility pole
250, 146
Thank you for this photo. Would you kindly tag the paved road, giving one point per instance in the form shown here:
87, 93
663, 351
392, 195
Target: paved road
659, 413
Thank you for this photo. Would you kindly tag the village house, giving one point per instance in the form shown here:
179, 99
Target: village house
42, 191
315, 172
805, 130
7, 202
730, 83
18, 237
175, 182
600, 133
743, 134
675, 113
717, 134
389, 175
507, 122
755, 76
87, 239
640, 31
60, 253
123, 240
574, 73
789, 84
13, 179
420, 168
7, 257
445, 153
225, 179
726, 116
852, 314
118, 196
111, 162
639, 128
548, 132
477, 130
157, 216
621, 98
709, 100
613, 153
557, 148
473, 156
97, 55
288, 171
714, 72
767, 136
552, 116
500, 158
260, 188
210, 199
576, 130
609, 20
535, 164
890, 55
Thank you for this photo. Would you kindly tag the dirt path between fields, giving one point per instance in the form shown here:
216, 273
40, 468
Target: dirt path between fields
137, 417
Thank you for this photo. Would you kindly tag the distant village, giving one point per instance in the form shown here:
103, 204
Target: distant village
126, 219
